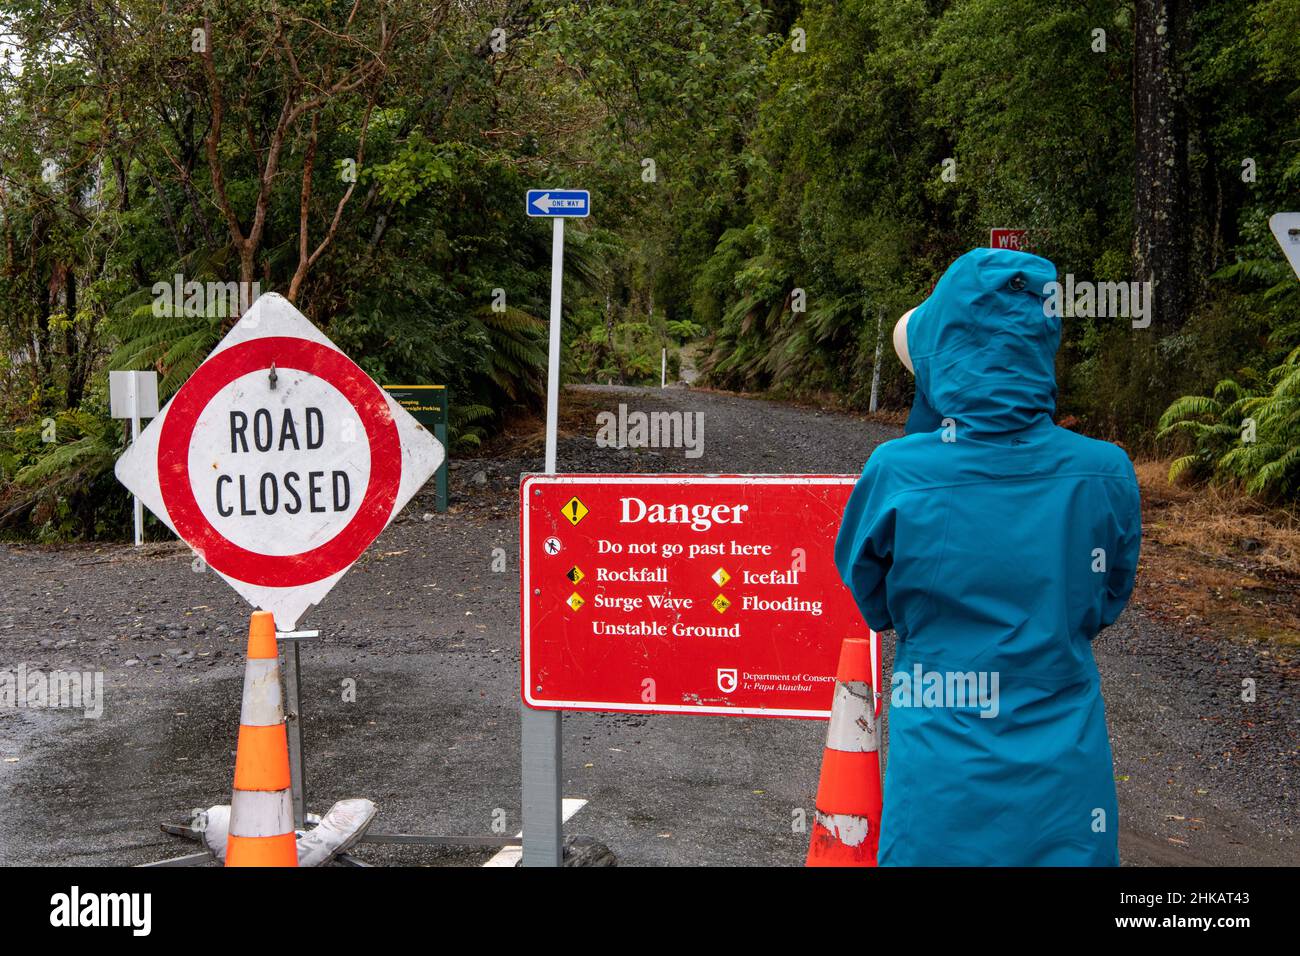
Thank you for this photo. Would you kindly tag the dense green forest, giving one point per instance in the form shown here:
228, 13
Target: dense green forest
775, 183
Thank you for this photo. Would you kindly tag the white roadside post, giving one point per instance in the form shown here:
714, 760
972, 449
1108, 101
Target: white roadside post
873, 405
541, 736
663, 368
134, 395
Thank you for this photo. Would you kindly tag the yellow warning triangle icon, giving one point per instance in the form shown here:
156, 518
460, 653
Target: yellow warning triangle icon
574, 510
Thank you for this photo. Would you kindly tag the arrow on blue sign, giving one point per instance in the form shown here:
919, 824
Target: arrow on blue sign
569, 203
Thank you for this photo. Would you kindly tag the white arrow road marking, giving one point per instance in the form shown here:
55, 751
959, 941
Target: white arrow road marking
511, 855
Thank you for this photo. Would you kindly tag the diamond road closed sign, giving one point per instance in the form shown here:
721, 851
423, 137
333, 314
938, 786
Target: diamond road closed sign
279, 461
684, 593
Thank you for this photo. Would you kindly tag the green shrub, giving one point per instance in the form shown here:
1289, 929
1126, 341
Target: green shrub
1248, 433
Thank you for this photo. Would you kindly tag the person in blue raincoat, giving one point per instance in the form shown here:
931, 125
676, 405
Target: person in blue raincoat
996, 545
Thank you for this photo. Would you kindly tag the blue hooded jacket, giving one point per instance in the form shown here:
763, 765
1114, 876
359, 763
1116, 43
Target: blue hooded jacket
996, 545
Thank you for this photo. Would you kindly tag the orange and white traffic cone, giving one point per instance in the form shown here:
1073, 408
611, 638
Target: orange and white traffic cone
846, 825
261, 811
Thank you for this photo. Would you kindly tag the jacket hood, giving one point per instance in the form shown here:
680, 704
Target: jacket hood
983, 349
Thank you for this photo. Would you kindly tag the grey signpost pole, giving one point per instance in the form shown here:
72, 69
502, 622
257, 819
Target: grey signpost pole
541, 737
133, 396
293, 723
541, 740
138, 508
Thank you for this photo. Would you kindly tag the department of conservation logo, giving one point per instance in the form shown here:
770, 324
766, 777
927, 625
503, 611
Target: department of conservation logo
728, 679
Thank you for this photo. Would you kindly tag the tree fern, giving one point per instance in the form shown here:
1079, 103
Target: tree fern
172, 345
1254, 438
517, 356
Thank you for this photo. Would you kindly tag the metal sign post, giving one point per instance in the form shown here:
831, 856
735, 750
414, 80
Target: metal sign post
137, 510
134, 395
541, 732
293, 723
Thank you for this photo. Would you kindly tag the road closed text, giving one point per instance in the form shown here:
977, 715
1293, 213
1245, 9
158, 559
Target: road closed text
293, 491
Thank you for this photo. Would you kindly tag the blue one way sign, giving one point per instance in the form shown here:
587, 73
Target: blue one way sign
569, 203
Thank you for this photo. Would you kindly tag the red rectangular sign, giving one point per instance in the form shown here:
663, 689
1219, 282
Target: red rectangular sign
1017, 239
707, 594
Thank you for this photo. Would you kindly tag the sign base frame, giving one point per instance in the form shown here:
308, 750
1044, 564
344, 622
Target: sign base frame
298, 783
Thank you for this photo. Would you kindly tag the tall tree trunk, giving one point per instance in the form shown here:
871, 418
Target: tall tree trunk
1161, 213
73, 386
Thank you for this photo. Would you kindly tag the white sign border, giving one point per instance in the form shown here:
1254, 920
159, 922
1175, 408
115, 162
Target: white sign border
137, 467
605, 479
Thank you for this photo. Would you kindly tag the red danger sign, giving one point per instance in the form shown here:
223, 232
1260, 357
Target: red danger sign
279, 461
683, 593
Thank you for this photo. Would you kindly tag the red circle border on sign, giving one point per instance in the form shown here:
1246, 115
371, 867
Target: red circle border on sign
376, 506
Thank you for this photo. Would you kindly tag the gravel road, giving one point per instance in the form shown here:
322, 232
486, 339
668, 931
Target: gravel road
430, 635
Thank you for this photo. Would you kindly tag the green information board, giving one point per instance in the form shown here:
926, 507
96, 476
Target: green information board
428, 406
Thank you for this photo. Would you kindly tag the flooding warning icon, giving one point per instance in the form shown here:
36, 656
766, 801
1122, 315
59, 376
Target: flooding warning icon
720, 604
575, 601
574, 510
